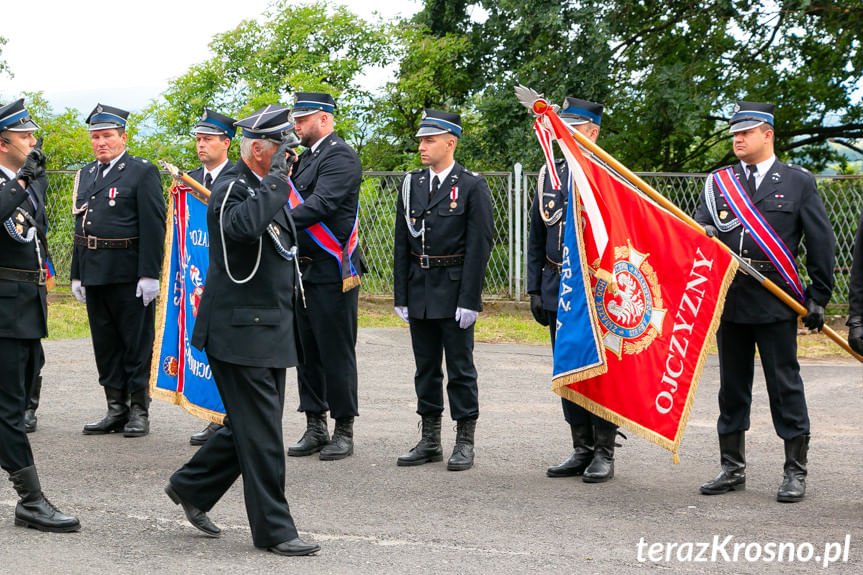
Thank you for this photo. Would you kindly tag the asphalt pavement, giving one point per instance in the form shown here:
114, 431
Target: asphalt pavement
503, 516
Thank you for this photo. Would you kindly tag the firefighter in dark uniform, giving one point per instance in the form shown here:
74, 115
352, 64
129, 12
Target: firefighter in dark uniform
117, 257
23, 309
327, 177
213, 134
855, 294
592, 437
246, 326
787, 198
443, 234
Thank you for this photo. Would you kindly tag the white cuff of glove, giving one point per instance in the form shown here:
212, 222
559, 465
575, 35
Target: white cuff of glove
465, 317
147, 290
79, 291
402, 312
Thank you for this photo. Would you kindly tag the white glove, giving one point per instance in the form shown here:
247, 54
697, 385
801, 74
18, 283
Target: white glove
79, 291
147, 290
402, 312
465, 317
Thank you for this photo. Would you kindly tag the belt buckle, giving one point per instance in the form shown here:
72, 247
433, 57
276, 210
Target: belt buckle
91, 242
424, 262
43, 276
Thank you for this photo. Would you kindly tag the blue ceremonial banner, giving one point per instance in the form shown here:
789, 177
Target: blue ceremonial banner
179, 373
584, 355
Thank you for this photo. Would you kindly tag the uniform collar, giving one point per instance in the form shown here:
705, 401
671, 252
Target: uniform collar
214, 173
112, 163
314, 147
442, 175
10, 175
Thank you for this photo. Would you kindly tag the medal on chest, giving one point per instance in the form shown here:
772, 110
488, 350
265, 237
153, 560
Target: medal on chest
453, 196
112, 194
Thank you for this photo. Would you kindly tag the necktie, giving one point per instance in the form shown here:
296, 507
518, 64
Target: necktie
435, 186
302, 160
102, 168
208, 181
753, 169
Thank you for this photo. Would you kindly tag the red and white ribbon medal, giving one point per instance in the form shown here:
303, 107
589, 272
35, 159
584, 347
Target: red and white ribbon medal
453, 196
112, 193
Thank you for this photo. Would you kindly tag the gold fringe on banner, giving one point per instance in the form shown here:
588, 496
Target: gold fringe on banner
161, 308
560, 385
167, 395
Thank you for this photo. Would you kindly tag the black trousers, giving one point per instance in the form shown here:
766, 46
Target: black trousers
327, 377
430, 338
573, 413
777, 344
19, 365
250, 444
122, 330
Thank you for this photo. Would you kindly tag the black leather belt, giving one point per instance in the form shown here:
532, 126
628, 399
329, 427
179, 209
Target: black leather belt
94, 243
760, 265
554, 265
25, 276
427, 261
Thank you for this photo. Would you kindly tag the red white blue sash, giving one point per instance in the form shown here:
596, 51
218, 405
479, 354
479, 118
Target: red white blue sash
757, 226
326, 239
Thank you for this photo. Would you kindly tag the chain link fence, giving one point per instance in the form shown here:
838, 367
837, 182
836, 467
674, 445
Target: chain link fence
512, 194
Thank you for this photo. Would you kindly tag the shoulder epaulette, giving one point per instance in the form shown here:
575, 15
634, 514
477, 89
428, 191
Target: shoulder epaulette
799, 168
722, 168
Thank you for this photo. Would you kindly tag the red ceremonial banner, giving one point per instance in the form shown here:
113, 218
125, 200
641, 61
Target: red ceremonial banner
658, 307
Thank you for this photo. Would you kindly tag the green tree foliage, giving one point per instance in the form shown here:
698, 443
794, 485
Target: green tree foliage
295, 48
678, 67
669, 72
559, 49
431, 75
4, 67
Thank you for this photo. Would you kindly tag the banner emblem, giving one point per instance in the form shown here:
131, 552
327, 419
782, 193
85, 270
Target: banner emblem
170, 366
195, 299
629, 308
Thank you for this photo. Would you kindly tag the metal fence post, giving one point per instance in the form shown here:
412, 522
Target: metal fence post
526, 199
517, 222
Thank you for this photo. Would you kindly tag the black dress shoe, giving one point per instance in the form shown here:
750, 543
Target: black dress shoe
202, 437
30, 420
294, 547
196, 517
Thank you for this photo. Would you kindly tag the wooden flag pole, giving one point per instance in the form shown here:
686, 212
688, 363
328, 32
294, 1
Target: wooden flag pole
644, 187
181, 176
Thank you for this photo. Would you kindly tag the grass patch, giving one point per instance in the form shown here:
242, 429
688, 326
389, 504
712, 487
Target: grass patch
503, 327
496, 327
67, 319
